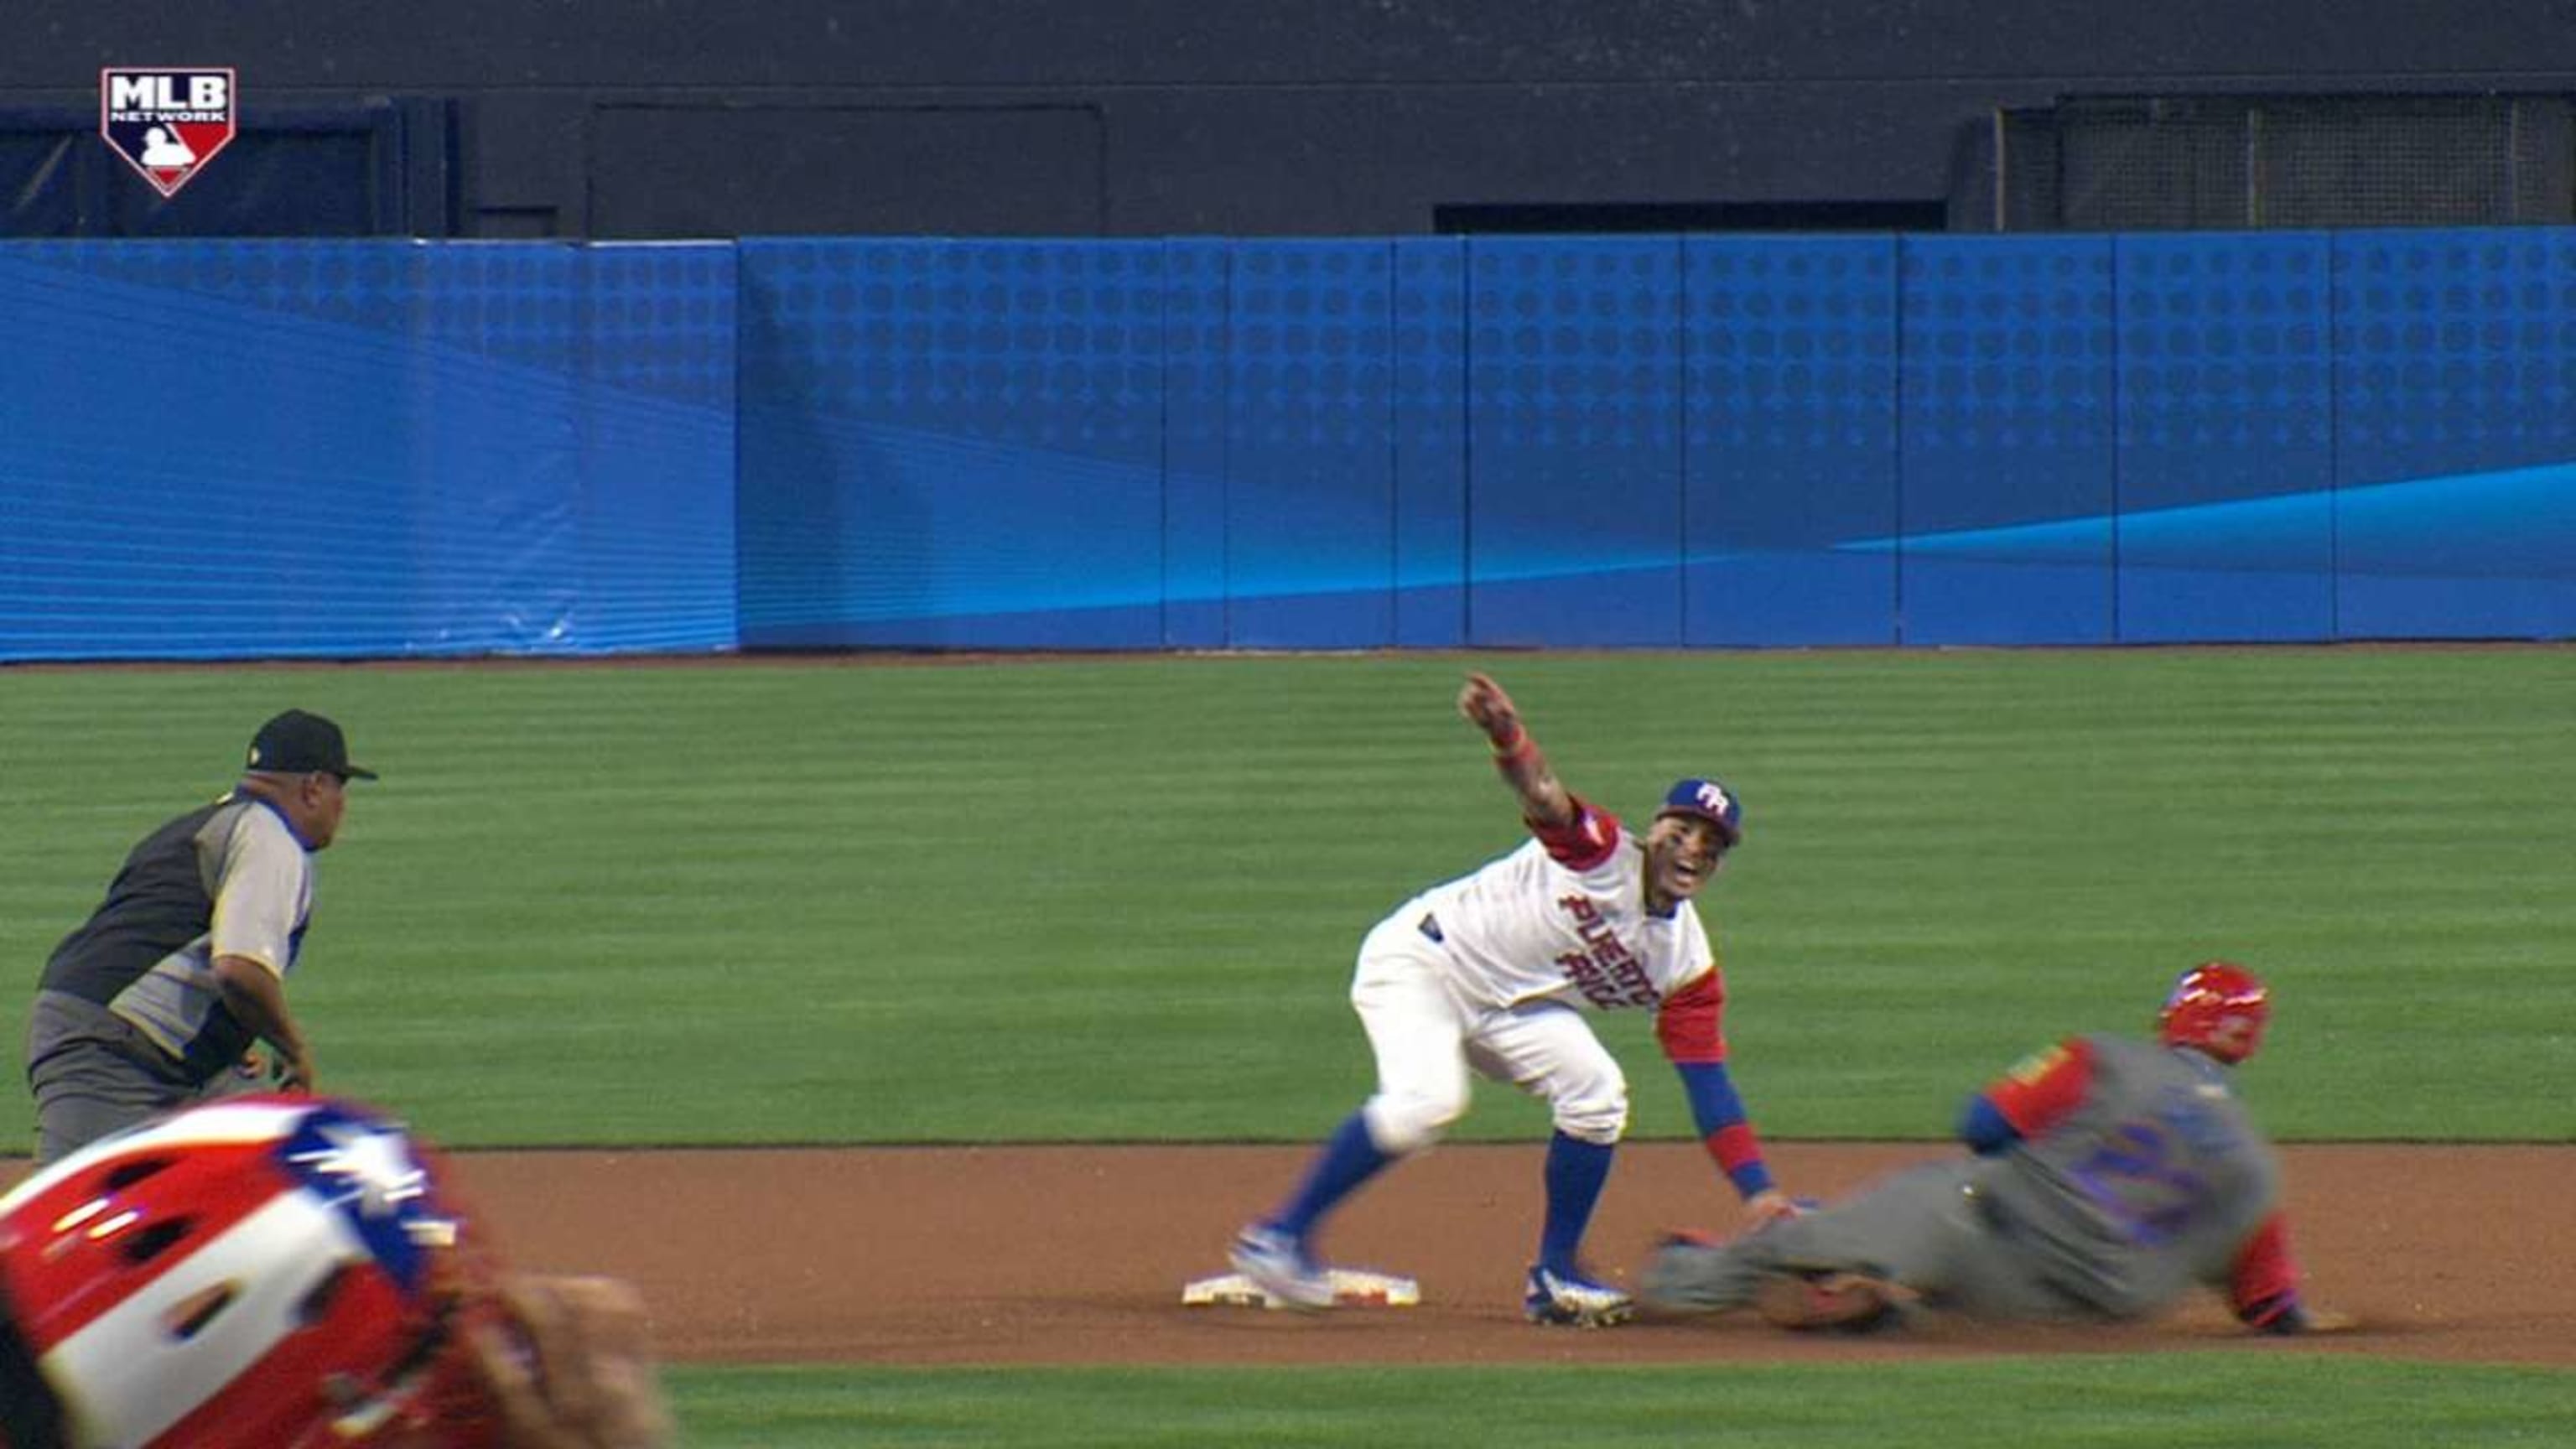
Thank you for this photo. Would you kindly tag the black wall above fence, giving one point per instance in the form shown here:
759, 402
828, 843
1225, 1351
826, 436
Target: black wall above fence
379, 168
1142, 117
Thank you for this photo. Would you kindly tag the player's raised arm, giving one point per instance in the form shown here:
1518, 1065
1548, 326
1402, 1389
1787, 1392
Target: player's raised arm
1544, 800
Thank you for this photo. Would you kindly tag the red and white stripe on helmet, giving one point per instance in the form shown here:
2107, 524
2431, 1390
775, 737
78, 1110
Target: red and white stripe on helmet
264, 1272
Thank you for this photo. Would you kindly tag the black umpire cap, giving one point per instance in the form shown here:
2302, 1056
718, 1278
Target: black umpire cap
297, 743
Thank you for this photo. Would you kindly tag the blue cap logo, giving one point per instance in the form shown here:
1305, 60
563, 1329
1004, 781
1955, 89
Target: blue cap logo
1710, 801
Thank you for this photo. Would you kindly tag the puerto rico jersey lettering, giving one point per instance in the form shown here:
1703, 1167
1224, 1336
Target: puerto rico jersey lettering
1564, 918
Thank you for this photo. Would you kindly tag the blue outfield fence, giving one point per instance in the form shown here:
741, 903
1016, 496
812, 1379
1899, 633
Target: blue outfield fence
2226, 467
2007, 499
1789, 461
232, 449
237, 449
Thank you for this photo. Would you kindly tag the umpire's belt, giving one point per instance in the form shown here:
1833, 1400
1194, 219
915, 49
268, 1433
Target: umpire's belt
1429, 926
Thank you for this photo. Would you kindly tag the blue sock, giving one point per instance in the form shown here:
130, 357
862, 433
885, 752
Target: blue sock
1576, 1170
1349, 1158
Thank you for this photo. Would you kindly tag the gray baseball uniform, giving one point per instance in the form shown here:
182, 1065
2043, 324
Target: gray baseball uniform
2134, 1175
130, 1020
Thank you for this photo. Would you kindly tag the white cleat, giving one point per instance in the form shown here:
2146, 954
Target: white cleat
1574, 1301
1277, 1264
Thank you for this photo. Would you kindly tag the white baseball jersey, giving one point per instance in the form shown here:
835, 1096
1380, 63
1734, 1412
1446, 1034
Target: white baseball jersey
1563, 917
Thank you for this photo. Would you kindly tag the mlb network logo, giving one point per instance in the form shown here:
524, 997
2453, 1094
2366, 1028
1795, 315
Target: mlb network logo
166, 122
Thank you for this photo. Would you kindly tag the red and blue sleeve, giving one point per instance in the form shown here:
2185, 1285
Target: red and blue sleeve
1691, 1027
2028, 1100
1582, 843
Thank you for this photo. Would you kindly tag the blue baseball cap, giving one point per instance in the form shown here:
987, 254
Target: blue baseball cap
1709, 800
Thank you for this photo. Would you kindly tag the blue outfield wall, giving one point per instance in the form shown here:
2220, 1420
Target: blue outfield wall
1658, 441
949, 445
2455, 427
1575, 504
2006, 494
1789, 465
2226, 469
213, 450
383, 448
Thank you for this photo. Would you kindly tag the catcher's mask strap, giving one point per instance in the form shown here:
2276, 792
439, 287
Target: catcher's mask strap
29, 1417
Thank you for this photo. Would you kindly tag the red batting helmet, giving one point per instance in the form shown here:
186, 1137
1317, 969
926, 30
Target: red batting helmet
2218, 1008
263, 1273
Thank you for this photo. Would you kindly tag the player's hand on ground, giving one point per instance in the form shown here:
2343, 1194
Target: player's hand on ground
578, 1372
1484, 702
2327, 1320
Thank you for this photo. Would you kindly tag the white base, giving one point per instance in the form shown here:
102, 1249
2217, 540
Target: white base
1352, 1288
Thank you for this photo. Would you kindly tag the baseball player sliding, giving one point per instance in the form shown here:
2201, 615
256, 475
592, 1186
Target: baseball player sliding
2106, 1177
1492, 971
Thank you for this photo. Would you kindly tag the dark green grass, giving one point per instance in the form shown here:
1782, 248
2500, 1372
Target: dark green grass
2251, 1399
1117, 899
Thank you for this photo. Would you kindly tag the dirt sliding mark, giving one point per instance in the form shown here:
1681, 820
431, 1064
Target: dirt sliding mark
1076, 1254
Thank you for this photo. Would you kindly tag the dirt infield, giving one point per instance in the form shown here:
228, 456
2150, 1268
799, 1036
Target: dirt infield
1069, 1254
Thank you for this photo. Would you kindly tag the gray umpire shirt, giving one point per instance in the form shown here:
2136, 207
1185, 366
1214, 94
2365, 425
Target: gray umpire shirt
230, 879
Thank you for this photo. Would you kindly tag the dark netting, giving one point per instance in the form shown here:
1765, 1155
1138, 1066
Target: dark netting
2160, 164
2310, 161
2445, 162
2025, 171
2544, 160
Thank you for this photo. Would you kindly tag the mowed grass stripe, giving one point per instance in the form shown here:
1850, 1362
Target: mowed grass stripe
2247, 1397
1117, 899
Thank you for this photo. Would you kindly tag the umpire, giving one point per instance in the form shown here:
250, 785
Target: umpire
156, 1001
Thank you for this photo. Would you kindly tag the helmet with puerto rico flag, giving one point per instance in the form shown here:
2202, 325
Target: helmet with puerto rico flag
279, 1272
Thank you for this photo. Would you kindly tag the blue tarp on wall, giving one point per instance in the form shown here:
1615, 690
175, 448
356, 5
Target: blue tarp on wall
358, 449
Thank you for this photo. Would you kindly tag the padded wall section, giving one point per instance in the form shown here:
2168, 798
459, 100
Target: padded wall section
1574, 441
657, 448
1429, 375
1790, 466
1311, 475
2007, 441
2455, 515
952, 444
252, 449
1197, 391
244, 449
160, 499
493, 434
2226, 459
